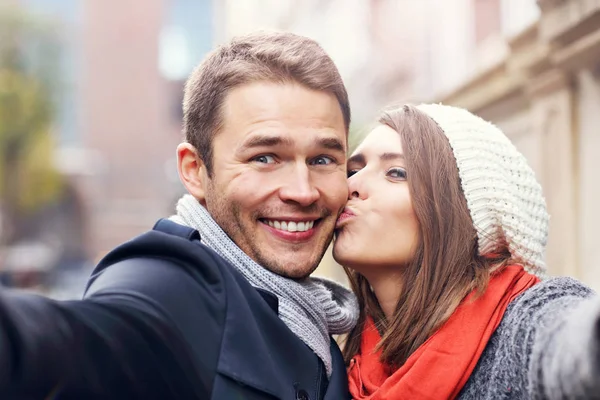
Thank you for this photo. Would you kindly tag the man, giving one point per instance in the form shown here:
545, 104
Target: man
216, 301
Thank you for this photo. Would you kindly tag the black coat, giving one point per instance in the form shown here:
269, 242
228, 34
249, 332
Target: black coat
163, 317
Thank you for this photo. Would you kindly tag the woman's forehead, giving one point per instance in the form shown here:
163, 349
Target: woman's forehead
380, 140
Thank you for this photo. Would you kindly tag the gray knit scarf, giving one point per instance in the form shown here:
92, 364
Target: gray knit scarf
313, 308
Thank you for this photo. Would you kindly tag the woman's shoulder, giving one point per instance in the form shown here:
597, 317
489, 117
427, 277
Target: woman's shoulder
556, 288
530, 322
551, 316
552, 296
548, 330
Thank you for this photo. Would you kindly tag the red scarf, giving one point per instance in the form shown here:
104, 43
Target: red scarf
441, 366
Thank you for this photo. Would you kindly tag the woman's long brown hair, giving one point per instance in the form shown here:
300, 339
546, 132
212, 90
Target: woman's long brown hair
445, 266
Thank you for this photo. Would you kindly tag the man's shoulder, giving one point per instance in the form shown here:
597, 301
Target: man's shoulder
169, 288
173, 243
162, 257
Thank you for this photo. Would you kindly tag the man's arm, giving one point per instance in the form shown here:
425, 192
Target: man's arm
127, 339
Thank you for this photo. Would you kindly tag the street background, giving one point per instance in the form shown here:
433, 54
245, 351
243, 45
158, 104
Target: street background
91, 90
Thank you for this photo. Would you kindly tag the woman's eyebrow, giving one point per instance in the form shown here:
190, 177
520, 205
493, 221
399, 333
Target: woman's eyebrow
391, 156
357, 158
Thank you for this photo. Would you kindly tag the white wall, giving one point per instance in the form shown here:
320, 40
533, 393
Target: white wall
450, 44
589, 178
518, 15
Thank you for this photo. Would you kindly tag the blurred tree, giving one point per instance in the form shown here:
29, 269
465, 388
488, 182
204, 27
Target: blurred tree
28, 89
356, 135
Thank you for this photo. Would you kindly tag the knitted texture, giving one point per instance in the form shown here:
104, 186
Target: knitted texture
504, 198
313, 308
546, 347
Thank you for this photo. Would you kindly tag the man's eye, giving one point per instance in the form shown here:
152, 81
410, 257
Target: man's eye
322, 160
264, 159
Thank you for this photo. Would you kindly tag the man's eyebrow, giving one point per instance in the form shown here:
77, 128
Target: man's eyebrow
266, 141
332, 143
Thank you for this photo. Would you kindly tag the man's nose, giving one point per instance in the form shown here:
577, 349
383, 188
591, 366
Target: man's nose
299, 187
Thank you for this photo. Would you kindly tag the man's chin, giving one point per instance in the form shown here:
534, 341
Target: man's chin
298, 274
293, 270
288, 259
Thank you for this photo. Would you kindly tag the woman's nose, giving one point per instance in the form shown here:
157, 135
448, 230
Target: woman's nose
356, 189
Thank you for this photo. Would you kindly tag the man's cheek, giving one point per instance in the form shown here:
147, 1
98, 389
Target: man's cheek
341, 194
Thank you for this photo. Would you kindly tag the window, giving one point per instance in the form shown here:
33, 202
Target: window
67, 14
517, 15
185, 38
487, 19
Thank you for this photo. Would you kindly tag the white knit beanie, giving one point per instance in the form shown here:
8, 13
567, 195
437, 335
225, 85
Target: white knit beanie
504, 198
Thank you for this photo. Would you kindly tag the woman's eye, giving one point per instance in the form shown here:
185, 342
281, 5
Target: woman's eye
396, 173
264, 159
322, 160
351, 172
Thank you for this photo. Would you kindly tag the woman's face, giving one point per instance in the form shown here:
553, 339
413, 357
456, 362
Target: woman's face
378, 228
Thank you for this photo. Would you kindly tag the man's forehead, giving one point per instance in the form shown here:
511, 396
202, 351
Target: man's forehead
272, 103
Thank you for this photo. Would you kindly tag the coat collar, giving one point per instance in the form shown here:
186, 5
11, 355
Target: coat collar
257, 347
270, 298
248, 353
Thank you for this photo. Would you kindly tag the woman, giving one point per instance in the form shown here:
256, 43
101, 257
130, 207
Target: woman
443, 240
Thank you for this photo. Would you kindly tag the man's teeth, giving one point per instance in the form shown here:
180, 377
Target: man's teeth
291, 226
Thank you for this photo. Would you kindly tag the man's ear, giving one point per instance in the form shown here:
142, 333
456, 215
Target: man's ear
192, 171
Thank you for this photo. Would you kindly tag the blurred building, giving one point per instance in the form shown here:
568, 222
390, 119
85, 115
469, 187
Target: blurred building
537, 76
372, 42
532, 67
123, 68
377, 46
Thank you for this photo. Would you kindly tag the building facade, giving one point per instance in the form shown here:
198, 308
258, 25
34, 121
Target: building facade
532, 67
119, 118
543, 90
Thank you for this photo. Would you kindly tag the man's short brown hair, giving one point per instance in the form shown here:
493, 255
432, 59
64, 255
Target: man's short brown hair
275, 57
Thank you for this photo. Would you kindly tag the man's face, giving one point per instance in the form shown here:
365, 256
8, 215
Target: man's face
279, 174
